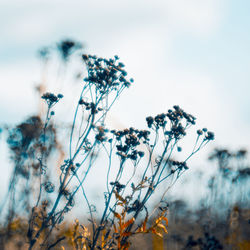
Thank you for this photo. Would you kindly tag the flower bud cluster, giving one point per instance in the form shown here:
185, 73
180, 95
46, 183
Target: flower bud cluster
68, 47
89, 106
51, 99
175, 117
208, 135
180, 165
129, 139
101, 135
118, 186
106, 74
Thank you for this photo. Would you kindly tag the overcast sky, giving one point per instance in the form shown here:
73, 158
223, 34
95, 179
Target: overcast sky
195, 53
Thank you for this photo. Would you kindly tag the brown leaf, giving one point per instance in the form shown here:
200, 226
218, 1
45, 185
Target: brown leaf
155, 232
132, 220
165, 219
163, 227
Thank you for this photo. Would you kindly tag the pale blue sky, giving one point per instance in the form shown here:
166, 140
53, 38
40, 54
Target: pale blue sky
193, 53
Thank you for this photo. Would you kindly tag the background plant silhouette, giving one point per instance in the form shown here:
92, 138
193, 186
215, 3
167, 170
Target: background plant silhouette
151, 154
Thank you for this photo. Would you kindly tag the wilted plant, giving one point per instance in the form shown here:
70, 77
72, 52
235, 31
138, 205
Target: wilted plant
150, 153
232, 174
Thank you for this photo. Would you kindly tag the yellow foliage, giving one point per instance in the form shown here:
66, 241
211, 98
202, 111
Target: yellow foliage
244, 245
77, 236
157, 242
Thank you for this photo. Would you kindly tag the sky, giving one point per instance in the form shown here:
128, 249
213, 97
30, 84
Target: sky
192, 53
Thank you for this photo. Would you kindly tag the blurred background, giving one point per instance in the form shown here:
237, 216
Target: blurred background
192, 53
195, 54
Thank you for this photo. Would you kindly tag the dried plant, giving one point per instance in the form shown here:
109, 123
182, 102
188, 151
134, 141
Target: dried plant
150, 153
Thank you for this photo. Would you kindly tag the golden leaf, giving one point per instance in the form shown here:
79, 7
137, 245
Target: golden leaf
165, 219
103, 238
120, 198
129, 222
126, 234
117, 215
144, 224
163, 227
116, 231
155, 232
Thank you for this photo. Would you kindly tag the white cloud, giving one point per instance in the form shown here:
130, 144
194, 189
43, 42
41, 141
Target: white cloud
31, 21
142, 33
195, 16
17, 95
